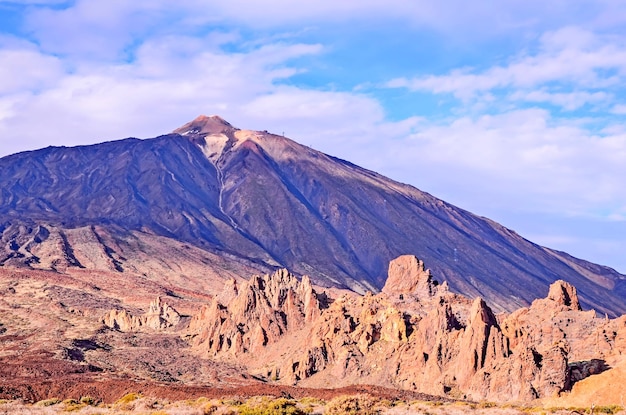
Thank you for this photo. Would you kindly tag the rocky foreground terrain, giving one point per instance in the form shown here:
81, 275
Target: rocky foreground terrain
105, 334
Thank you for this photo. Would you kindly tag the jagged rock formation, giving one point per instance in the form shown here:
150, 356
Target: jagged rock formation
415, 335
408, 277
251, 202
158, 317
248, 317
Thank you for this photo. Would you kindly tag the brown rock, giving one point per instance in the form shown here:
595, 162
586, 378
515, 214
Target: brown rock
408, 277
414, 335
564, 294
159, 316
255, 314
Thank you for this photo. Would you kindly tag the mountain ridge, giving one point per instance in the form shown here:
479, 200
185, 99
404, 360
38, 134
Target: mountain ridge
269, 201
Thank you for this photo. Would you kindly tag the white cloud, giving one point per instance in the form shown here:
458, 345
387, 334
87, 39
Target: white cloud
619, 109
569, 56
33, 2
108, 29
525, 157
24, 69
567, 100
172, 80
93, 29
319, 108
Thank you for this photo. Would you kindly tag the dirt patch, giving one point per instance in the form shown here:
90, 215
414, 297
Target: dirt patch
109, 391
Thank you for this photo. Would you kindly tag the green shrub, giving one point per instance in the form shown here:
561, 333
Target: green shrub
209, 409
128, 398
307, 400
128, 401
280, 406
609, 409
87, 400
72, 405
353, 405
48, 402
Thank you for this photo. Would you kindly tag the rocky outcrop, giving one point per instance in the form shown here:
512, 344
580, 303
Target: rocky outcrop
408, 278
246, 318
414, 335
564, 294
159, 316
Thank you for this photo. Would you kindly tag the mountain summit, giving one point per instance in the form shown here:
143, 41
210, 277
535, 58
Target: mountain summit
263, 200
204, 125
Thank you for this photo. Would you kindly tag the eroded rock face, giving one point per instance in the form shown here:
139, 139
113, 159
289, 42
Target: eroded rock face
414, 335
248, 317
409, 278
159, 316
564, 294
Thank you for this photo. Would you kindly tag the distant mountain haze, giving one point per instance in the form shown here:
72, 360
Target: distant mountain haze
265, 201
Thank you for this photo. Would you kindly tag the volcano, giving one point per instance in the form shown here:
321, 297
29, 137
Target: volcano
212, 196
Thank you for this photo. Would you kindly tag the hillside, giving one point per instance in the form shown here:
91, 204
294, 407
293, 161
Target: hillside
253, 201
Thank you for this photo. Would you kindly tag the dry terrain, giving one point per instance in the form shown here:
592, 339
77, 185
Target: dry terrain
356, 404
106, 334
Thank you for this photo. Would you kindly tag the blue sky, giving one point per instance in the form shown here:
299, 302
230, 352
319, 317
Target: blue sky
514, 111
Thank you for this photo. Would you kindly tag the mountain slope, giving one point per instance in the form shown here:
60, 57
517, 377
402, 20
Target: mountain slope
268, 201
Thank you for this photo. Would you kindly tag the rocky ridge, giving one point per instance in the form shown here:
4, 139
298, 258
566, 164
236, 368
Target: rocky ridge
159, 316
414, 335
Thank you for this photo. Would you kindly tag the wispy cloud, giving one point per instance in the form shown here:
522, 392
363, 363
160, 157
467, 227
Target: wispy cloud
525, 152
566, 100
570, 58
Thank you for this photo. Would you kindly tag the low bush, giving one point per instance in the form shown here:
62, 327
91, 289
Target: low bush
265, 406
609, 409
48, 402
128, 402
72, 405
87, 400
353, 405
128, 398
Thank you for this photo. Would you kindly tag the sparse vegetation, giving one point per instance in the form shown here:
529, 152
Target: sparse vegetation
362, 404
48, 402
128, 401
87, 400
71, 405
610, 409
268, 406
353, 405
128, 398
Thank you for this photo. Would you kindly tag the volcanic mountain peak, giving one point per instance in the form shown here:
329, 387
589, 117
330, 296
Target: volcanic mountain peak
205, 125
215, 136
